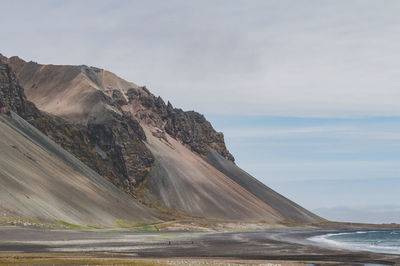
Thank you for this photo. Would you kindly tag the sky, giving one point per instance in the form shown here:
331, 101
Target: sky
306, 92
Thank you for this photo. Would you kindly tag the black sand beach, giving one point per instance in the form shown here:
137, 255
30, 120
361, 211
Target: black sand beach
283, 246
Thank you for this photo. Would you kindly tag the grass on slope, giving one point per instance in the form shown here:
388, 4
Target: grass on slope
34, 222
76, 226
139, 227
198, 225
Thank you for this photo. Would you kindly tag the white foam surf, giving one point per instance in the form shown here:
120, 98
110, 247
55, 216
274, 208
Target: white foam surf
327, 240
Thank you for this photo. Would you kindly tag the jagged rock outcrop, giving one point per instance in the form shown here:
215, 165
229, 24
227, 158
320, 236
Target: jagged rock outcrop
12, 97
121, 138
190, 127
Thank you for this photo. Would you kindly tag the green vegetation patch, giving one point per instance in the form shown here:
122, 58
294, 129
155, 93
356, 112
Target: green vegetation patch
140, 227
77, 226
69, 225
4, 220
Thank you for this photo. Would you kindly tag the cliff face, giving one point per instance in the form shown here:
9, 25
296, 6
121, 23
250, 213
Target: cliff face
12, 97
190, 128
161, 155
119, 140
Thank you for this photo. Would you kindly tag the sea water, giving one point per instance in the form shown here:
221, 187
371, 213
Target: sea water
382, 241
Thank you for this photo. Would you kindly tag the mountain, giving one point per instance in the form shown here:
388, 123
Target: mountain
40, 179
166, 158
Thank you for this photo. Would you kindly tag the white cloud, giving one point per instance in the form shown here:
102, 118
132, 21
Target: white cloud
251, 132
293, 58
334, 131
362, 214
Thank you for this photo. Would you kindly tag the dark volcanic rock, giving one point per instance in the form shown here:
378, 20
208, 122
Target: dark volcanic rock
12, 97
191, 128
194, 130
119, 98
121, 138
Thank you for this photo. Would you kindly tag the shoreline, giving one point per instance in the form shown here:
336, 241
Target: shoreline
290, 246
324, 240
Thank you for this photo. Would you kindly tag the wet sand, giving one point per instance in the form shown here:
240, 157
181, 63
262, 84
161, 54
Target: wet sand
285, 247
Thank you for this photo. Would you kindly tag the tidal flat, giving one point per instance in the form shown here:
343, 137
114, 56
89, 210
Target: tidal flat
268, 247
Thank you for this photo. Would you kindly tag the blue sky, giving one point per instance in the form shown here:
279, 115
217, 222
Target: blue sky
325, 164
306, 91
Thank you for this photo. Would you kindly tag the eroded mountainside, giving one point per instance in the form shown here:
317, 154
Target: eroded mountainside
165, 157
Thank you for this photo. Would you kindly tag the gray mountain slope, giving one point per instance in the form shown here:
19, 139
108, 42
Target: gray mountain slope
284, 206
185, 182
41, 180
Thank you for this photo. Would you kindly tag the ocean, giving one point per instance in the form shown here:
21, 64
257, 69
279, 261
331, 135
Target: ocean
381, 241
